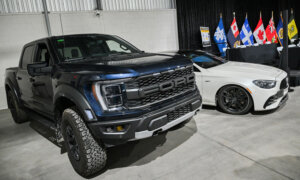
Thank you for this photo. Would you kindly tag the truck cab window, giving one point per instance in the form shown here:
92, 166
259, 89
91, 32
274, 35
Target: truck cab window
27, 56
43, 54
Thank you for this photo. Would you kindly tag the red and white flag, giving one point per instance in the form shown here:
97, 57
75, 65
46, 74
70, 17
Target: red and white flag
271, 32
259, 32
234, 28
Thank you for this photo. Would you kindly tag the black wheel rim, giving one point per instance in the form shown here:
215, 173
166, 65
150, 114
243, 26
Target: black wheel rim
235, 99
72, 143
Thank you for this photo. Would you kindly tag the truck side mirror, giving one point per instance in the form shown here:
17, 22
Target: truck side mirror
39, 69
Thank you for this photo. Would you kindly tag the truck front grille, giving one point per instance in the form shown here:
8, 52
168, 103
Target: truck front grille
179, 112
165, 76
158, 95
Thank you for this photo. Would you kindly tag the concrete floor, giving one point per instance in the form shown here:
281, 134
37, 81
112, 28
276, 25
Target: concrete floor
211, 146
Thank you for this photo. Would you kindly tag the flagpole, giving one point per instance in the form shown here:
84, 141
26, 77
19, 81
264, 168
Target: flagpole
246, 15
259, 14
276, 31
272, 15
233, 14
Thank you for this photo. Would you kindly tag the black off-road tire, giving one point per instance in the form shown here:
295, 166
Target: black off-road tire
92, 156
19, 114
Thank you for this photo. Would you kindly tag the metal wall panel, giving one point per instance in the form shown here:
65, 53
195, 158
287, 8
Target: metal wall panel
121, 5
71, 5
20, 6
35, 6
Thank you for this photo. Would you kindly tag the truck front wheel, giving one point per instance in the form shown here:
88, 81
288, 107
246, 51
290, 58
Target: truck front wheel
19, 114
85, 154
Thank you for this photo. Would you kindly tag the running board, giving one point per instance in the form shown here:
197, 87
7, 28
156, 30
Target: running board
44, 127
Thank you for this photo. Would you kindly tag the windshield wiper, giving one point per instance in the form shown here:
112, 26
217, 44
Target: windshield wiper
75, 59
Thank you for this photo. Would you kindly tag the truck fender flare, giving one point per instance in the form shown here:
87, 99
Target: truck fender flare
76, 97
12, 87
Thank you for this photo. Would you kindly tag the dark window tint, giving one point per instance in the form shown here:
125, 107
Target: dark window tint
27, 56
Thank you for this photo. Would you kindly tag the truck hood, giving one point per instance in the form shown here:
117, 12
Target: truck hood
127, 67
248, 70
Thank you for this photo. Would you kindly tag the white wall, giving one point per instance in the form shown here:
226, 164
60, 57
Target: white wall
152, 31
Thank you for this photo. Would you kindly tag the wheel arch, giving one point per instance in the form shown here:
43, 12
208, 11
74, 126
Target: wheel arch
9, 86
68, 96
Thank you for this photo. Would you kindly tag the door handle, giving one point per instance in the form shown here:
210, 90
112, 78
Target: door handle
207, 81
19, 78
31, 80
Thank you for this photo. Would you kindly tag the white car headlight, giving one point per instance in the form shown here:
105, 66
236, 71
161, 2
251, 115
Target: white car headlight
266, 84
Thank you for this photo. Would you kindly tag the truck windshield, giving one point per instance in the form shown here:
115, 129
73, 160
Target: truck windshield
81, 47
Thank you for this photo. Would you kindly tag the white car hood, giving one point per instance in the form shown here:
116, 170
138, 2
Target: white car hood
249, 70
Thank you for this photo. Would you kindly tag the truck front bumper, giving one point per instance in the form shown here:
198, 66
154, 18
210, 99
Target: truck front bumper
146, 125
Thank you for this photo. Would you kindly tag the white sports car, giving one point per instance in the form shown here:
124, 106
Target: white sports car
237, 87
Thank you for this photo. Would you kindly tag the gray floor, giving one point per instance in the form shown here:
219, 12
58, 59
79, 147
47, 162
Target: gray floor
211, 146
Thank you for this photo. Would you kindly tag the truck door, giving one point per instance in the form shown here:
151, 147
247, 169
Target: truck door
42, 85
23, 78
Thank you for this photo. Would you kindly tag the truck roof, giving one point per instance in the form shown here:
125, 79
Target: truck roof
62, 36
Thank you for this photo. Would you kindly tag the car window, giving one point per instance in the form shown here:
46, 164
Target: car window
89, 47
70, 52
115, 46
43, 54
27, 56
207, 61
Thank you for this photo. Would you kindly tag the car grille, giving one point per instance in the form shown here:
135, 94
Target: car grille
179, 112
158, 96
284, 83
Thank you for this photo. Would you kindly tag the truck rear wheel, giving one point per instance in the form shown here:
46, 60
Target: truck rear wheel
85, 154
19, 114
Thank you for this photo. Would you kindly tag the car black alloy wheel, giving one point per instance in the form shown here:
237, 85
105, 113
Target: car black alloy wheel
235, 100
72, 143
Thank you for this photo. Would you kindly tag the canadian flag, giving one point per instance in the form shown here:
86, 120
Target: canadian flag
234, 28
271, 32
259, 32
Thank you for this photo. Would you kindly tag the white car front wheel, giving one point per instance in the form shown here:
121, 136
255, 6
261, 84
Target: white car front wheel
234, 100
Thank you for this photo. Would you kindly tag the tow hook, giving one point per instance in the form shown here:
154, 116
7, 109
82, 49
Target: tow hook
155, 133
197, 111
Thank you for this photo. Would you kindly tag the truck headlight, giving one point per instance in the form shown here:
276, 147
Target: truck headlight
110, 96
266, 84
113, 95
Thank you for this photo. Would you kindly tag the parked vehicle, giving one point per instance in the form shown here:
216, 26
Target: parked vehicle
237, 87
98, 91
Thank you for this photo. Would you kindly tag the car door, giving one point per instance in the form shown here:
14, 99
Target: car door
23, 78
42, 84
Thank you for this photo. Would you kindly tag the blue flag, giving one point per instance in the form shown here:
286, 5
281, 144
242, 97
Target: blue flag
233, 35
220, 38
246, 34
280, 30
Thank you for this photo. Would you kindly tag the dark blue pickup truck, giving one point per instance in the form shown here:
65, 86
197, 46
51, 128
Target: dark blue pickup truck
98, 91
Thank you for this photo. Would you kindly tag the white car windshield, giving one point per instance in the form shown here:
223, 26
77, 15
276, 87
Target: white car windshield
207, 60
